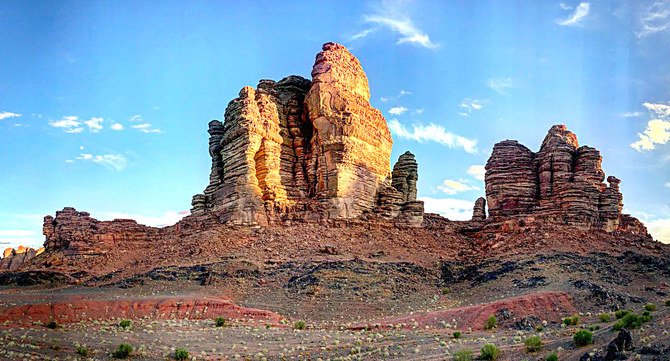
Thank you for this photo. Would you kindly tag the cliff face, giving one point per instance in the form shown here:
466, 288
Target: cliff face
299, 149
562, 183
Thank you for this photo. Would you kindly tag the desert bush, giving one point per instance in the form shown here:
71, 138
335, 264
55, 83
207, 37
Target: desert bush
533, 344
457, 334
81, 350
125, 323
52, 325
552, 357
220, 322
491, 322
539, 328
583, 338
490, 352
594, 328
631, 320
181, 354
667, 303
604, 317
299, 325
123, 351
620, 314
571, 321
650, 307
463, 355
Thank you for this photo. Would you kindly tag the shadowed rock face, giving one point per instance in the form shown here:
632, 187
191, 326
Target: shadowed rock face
12, 259
562, 183
299, 149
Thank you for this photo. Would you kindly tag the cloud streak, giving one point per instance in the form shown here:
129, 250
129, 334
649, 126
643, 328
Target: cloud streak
393, 17
655, 20
397, 110
451, 208
477, 171
500, 85
578, 15
116, 162
7, 115
451, 187
432, 133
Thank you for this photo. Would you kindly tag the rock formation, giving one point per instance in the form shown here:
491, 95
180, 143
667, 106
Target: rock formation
398, 200
479, 210
12, 259
562, 184
299, 149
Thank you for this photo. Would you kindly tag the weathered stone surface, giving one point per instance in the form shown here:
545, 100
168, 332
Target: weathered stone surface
479, 210
12, 259
561, 184
397, 201
405, 175
78, 233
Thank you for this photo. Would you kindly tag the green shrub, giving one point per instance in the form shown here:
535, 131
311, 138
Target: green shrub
571, 321
631, 320
650, 307
463, 355
123, 351
445, 290
52, 325
125, 323
594, 328
552, 357
491, 322
667, 303
81, 350
533, 344
457, 334
180, 354
490, 352
220, 322
539, 328
583, 338
604, 317
620, 314
300, 325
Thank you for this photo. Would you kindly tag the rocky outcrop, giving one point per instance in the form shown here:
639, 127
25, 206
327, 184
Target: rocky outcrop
299, 149
13, 259
397, 201
479, 210
561, 184
77, 233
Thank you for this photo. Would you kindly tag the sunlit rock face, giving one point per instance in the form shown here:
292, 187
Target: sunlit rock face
299, 149
562, 183
13, 259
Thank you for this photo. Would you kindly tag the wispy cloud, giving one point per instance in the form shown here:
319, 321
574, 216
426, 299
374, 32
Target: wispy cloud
577, 16
451, 187
94, 124
69, 124
392, 16
470, 105
146, 128
397, 110
658, 128
7, 115
451, 208
112, 161
432, 133
136, 118
477, 171
655, 19
500, 85
667, 185
117, 126
565, 6
631, 114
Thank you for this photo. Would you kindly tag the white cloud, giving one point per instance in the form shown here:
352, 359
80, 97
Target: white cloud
94, 124
112, 161
655, 19
565, 6
658, 128
136, 118
383, 99
418, 111
470, 105
659, 229
397, 110
577, 16
453, 209
393, 16
631, 114
12, 233
117, 126
432, 133
451, 187
167, 219
361, 34
69, 124
500, 84
477, 171
146, 128
667, 184
7, 115
403, 93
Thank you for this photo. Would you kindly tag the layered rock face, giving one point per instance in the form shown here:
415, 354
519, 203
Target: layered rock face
12, 259
562, 183
299, 149
398, 200
479, 210
79, 234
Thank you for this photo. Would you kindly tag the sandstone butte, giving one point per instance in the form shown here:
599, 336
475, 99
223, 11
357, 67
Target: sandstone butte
302, 151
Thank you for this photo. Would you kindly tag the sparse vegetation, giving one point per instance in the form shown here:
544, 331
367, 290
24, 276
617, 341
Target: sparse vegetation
621, 313
52, 325
123, 351
457, 334
594, 328
491, 322
650, 307
445, 290
667, 303
533, 344
125, 324
220, 322
490, 352
81, 350
552, 357
181, 354
632, 320
463, 355
539, 328
571, 321
299, 325
583, 338
604, 317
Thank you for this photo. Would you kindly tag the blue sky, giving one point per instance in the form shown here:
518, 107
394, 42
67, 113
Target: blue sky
104, 105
